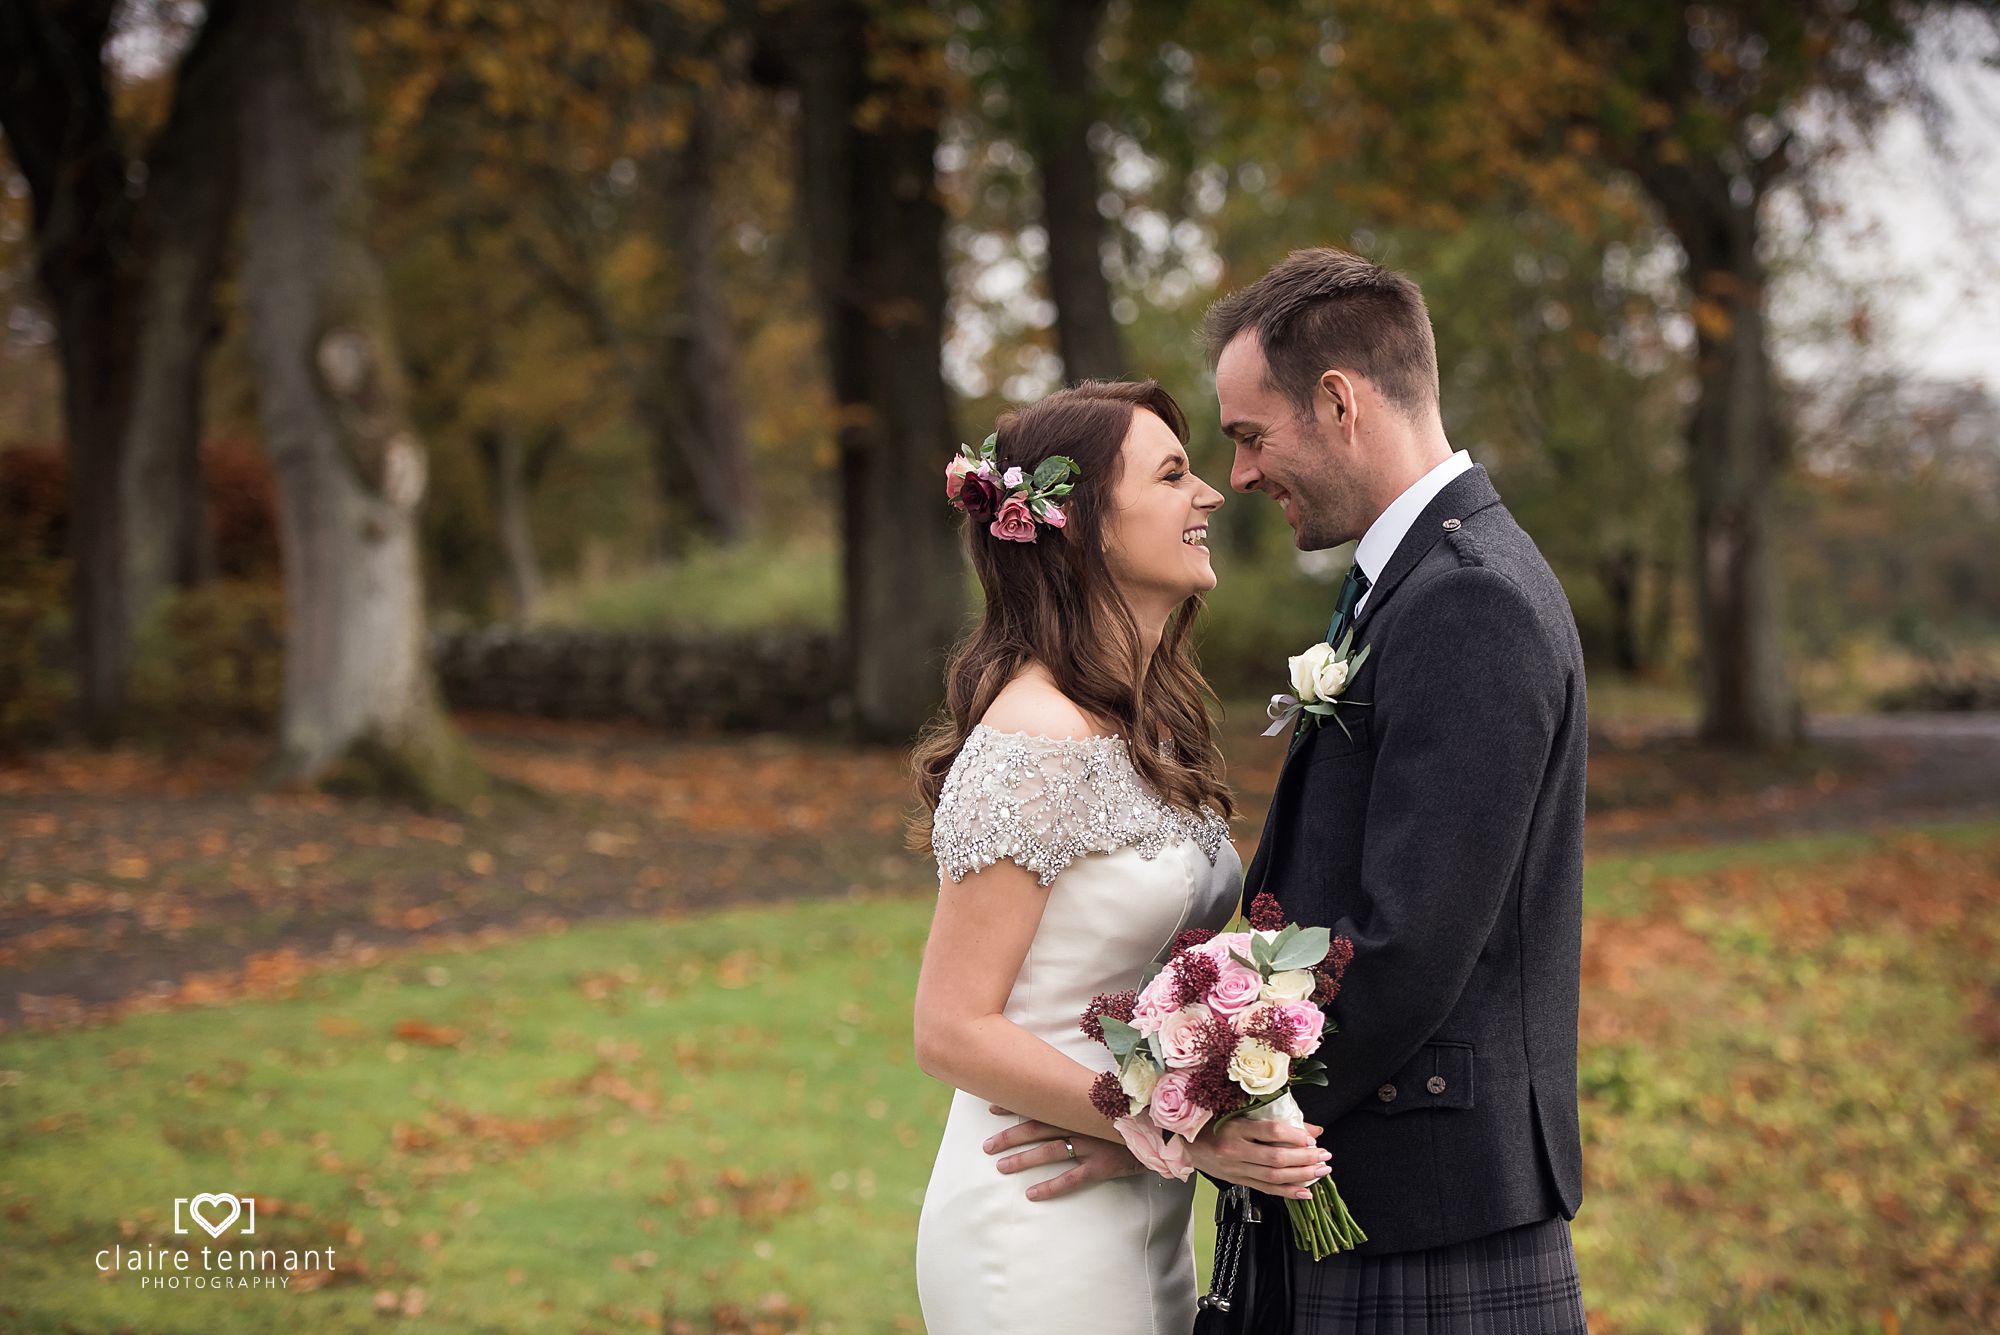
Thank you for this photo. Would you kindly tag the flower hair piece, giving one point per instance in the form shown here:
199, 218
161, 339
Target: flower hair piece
1012, 504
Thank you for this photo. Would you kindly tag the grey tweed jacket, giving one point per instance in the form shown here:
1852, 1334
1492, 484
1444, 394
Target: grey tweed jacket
1446, 839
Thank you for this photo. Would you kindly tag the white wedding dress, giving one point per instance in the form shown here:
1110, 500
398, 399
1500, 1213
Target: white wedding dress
1126, 874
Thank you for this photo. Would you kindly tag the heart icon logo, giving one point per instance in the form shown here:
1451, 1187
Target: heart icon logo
217, 1199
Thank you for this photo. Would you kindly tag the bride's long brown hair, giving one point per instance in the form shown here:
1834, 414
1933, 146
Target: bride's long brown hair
1053, 602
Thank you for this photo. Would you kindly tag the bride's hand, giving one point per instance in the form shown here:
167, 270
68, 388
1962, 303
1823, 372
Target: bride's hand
1096, 1160
1271, 1157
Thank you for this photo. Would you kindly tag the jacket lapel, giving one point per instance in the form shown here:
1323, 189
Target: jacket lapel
1464, 496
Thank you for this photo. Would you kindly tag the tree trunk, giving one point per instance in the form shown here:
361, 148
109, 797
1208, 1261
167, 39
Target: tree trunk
875, 226
360, 700
682, 382
1619, 573
701, 347
184, 232
1747, 699
1666, 576
95, 348
507, 463
55, 109
1737, 449
1059, 121
129, 283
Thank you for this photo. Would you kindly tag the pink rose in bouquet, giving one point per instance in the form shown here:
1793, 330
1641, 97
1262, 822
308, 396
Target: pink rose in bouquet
1183, 1037
1174, 1108
1150, 1011
1164, 1154
1306, 1022
1236, 991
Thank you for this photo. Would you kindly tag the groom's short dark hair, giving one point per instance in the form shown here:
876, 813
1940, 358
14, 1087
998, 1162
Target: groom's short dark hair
1325, 308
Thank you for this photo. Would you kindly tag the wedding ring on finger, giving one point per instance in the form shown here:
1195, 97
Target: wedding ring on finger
1070, 1146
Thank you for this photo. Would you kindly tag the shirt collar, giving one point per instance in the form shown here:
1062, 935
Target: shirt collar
1379, 543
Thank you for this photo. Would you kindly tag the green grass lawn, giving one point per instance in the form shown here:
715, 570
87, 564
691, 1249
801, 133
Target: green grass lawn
715, 1124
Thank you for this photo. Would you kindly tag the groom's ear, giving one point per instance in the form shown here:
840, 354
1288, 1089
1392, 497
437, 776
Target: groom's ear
1340, 391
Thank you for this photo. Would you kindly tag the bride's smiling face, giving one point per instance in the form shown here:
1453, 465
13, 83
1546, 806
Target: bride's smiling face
1156, 518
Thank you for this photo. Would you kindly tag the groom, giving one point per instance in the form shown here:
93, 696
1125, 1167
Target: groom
1442, 830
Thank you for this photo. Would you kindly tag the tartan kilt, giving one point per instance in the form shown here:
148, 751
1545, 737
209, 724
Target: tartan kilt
1520, 1281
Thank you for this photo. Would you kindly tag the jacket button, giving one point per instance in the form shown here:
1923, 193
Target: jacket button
1435, 1084
1450, 524
1387, 1093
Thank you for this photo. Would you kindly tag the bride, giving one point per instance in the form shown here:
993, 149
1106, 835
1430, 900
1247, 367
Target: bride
1079, 818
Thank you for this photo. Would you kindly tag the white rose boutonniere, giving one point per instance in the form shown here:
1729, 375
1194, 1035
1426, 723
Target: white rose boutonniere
1319, 675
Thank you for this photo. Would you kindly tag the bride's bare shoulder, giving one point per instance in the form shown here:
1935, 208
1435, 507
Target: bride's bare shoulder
1032, 704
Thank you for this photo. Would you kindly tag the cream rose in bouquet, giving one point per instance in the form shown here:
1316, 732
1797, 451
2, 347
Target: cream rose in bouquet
1225, 1028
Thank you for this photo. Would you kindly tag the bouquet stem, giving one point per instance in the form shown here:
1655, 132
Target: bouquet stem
1321, 1225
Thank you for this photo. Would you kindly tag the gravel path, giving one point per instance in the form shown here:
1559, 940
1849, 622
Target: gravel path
133, 878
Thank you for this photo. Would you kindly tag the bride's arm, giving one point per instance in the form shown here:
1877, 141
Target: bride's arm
979, 937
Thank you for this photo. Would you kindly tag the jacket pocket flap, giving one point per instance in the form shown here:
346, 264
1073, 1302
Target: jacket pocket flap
1439, 1076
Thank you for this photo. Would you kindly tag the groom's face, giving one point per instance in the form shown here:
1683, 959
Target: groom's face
1288, 458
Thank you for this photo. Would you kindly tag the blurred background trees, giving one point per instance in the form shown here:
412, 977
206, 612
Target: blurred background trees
130, 214
684, 302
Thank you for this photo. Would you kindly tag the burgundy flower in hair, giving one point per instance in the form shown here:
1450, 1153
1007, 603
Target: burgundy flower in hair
1012, 503
979, 496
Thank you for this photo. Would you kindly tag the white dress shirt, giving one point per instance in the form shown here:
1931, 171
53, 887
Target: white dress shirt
1379, 543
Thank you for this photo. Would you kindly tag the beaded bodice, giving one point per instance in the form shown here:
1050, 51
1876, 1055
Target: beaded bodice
1045, 801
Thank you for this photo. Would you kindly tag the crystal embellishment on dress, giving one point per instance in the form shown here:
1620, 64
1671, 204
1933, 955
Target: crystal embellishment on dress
1046, 801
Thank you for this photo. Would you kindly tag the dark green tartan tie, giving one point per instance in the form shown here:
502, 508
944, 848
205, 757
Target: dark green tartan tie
1351, 590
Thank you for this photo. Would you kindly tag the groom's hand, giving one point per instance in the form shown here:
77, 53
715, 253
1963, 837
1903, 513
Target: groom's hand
1272, 1157
1096, 1160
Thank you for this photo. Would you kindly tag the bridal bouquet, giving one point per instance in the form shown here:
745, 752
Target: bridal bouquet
1225, 1028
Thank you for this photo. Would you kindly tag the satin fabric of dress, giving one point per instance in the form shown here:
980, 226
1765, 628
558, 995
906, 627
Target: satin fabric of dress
1115, 1258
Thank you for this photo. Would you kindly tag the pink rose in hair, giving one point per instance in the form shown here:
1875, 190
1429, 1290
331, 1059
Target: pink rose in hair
954, 477
1015, 522
1052, 515
1166, 1155
1174, 1110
